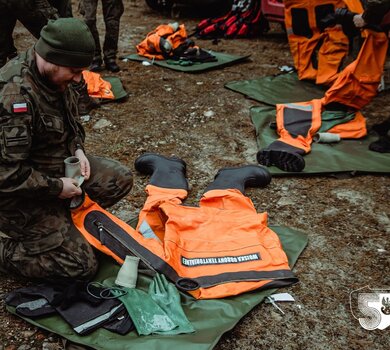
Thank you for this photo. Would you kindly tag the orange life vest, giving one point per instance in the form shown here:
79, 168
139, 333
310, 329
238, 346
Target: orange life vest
219, 249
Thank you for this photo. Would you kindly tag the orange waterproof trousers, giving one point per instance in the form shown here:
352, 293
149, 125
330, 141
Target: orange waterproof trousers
297, 123
219, 249
358, 83
317, 55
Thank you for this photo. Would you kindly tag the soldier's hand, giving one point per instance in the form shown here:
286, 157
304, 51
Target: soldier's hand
84, 163
70, 188
358, 21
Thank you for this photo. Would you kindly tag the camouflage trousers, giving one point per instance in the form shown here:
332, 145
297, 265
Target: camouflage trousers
42, 239
112, 12
33, 14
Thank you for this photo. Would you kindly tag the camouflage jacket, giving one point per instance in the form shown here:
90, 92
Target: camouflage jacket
375, 11
38, 130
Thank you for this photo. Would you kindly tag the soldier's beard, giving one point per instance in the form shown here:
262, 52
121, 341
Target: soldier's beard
56, 79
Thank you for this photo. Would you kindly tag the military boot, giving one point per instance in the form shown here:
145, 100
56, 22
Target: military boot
111, 65
240, 178
96, 65
382, 145
165, 172
85, 102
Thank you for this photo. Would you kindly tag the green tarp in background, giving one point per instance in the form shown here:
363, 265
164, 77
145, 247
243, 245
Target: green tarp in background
351, 156
211, 318
347, 156
224, 59
283, 88
116, 88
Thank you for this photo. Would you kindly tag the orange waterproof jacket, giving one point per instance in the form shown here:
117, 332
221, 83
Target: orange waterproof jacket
219, 249
97, 87
317, 55
162, 42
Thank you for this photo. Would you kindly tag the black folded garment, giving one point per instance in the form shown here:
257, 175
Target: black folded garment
83, 311
196, 54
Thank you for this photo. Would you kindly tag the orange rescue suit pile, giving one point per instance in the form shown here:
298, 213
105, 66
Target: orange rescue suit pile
219, 249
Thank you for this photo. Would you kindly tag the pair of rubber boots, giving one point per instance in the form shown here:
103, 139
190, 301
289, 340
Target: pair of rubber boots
171, 173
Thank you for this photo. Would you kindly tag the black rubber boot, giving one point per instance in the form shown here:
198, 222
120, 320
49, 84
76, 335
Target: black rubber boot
165, 172
240, 178
283, 156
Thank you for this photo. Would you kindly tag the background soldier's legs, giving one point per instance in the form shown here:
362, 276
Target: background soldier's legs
88, 10
112, 12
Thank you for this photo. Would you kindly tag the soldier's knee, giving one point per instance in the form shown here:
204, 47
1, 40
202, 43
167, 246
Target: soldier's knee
125, 182
88, 269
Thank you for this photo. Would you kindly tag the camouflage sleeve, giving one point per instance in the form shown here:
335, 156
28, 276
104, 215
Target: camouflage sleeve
375, 11
78, 141
17, 175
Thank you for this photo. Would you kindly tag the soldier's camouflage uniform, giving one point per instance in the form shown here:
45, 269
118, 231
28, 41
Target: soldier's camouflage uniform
43, 241
112, 12
33, 14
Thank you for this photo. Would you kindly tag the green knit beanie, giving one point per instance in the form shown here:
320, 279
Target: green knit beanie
66, 42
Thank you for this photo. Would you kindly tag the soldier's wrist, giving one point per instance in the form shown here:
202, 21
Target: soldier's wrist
55, 186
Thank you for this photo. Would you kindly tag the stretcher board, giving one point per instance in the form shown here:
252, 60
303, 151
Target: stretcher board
346, 156
116, 88
223, 59
282, 88
210, 318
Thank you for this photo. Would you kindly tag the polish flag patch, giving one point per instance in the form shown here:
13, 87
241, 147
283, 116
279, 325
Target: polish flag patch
19, 107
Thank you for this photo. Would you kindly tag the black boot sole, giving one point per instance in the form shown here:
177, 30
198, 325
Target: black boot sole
286, 161
148, 169
262, 179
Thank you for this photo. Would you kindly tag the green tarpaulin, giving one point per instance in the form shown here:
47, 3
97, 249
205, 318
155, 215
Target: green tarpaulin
351, 156
211, 318
283, 88
224, 59
116, 88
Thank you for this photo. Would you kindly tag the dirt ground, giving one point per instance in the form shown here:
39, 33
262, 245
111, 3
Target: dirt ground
194, 117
